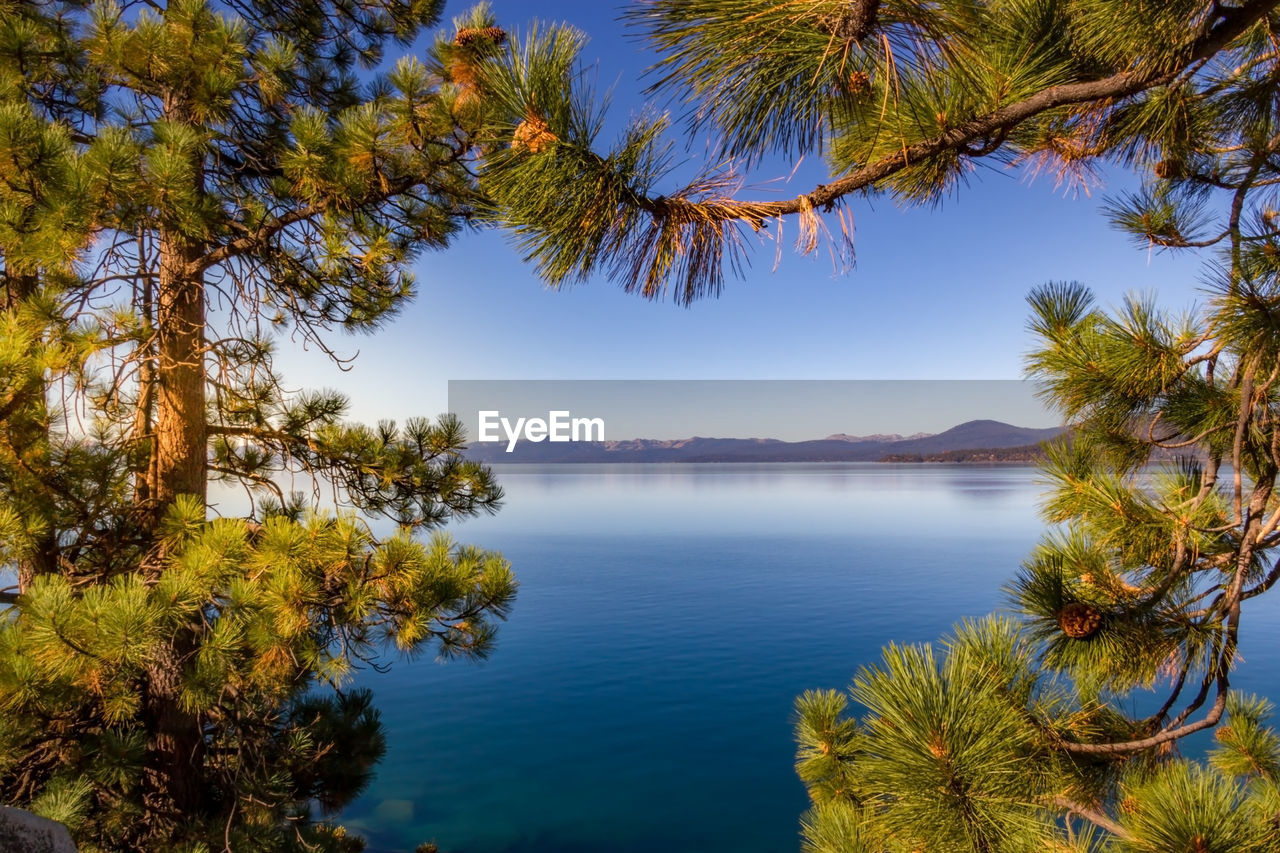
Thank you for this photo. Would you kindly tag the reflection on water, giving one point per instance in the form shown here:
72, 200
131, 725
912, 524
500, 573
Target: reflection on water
708, 497
641, 694
718, 476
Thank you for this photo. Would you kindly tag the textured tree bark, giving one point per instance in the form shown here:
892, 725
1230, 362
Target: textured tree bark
178, 464
43, 561
175, 747
180, 447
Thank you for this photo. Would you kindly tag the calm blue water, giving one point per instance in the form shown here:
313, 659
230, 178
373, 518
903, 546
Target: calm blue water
668, 616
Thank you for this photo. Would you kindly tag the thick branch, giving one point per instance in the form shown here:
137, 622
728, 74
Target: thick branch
995, 124
259, 237
1131, 746
1094, 817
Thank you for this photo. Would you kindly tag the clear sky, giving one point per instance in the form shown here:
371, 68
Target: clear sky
936, 293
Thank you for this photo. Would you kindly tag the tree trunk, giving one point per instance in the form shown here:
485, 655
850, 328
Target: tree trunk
173, 790
178, 465
180, 448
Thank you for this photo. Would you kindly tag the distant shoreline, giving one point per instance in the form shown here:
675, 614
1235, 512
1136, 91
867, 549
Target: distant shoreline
974, 441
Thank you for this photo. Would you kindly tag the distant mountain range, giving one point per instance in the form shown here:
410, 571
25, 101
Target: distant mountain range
842, 436
969, 436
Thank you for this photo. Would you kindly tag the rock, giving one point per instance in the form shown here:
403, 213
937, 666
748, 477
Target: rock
23, 832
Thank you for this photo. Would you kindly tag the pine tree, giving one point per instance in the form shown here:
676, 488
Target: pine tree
903, 98
181, 184
1019, 734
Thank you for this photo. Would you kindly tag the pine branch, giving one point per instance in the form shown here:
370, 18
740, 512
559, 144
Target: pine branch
1130, 747
259, 237
605, 216
1094, 817
1225, 657
987, 128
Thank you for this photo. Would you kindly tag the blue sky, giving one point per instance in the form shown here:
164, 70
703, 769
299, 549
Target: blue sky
936, 293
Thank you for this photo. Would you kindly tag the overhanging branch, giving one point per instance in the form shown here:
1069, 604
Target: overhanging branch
1094, 817
994, 125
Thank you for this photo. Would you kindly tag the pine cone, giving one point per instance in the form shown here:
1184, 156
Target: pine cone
858, 83
854, 22
1169, 169
1079, 621
533, 135
471, 35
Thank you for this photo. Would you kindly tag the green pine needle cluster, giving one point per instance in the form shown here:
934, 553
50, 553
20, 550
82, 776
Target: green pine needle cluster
904, 98
285, 607
1061, 730
959, 749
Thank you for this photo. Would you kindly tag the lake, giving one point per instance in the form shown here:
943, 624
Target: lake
641, 693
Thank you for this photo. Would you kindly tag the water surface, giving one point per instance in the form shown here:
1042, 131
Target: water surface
641, 693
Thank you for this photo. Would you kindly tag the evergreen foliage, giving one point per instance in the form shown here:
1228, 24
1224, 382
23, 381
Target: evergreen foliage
1165, 530
182, 184
903, 98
